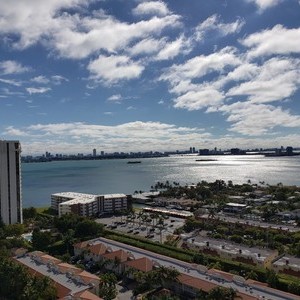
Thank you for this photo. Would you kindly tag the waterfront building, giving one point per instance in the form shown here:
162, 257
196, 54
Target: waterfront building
94, 152
87, 204
10, 182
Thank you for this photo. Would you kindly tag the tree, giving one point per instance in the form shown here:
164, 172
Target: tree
107, 289
223, 293
199, 258
39, 288
88, 228
252, 275
17, 284
29, 213
41, 239
14, 229
272, 278
68, 240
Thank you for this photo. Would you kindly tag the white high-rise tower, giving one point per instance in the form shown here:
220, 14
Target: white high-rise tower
10, 182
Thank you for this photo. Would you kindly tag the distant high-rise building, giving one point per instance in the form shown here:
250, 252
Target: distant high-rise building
94, 152
10, 182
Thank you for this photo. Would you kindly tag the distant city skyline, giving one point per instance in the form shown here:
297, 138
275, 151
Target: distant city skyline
150, 153
149, 75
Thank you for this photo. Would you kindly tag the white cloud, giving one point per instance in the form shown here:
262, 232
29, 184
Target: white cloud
11, 82
172, 49
258, 119
9, 67
58, 79
80, 38
278, 40
75, 34
277, 79
151, 8
11, 131
115, 98
111, 69
147, 46
213, 23
264, 4
195, 96
40, 90
8, 92
40, 79
202, 65
133, 136
32, 19
203, 96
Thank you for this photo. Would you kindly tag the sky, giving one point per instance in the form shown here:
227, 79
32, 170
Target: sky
133, 75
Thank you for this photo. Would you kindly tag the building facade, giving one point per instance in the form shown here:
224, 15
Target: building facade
10, 182
86, 204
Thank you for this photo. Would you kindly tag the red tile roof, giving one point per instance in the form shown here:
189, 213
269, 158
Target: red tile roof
88, 276
86, 295
222, 274
81, 245
98, 249
196, 283
65, 267
143, 264
119, 254
45, 258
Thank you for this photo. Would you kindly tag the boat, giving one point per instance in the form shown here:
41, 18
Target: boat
209, 159
134, 162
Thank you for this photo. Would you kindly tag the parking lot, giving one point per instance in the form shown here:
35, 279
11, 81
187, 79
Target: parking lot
153, 231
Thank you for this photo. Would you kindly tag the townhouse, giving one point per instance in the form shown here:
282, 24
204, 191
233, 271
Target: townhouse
71, 283
125, 259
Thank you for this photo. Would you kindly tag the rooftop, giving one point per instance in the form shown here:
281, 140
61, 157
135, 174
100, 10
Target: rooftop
76, 198
259, 254
60, 273
289, 261
193, 274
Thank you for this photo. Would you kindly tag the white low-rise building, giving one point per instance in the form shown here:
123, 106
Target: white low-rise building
287, 264
237, 252
87, 204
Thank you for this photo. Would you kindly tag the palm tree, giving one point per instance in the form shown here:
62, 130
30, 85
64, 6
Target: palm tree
164, 276
107, 288
221, 293
161, 226
68, 239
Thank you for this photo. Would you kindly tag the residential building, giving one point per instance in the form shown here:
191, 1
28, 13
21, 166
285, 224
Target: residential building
71, 283
287, 264
10, 182
250, 255
234, 208
88, 204
123, 258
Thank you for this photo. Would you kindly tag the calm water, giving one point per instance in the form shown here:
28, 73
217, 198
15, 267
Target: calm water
40, 180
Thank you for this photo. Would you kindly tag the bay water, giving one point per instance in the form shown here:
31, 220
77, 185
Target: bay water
40, 180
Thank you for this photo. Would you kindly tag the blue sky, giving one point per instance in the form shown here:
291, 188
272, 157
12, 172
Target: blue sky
132, 75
